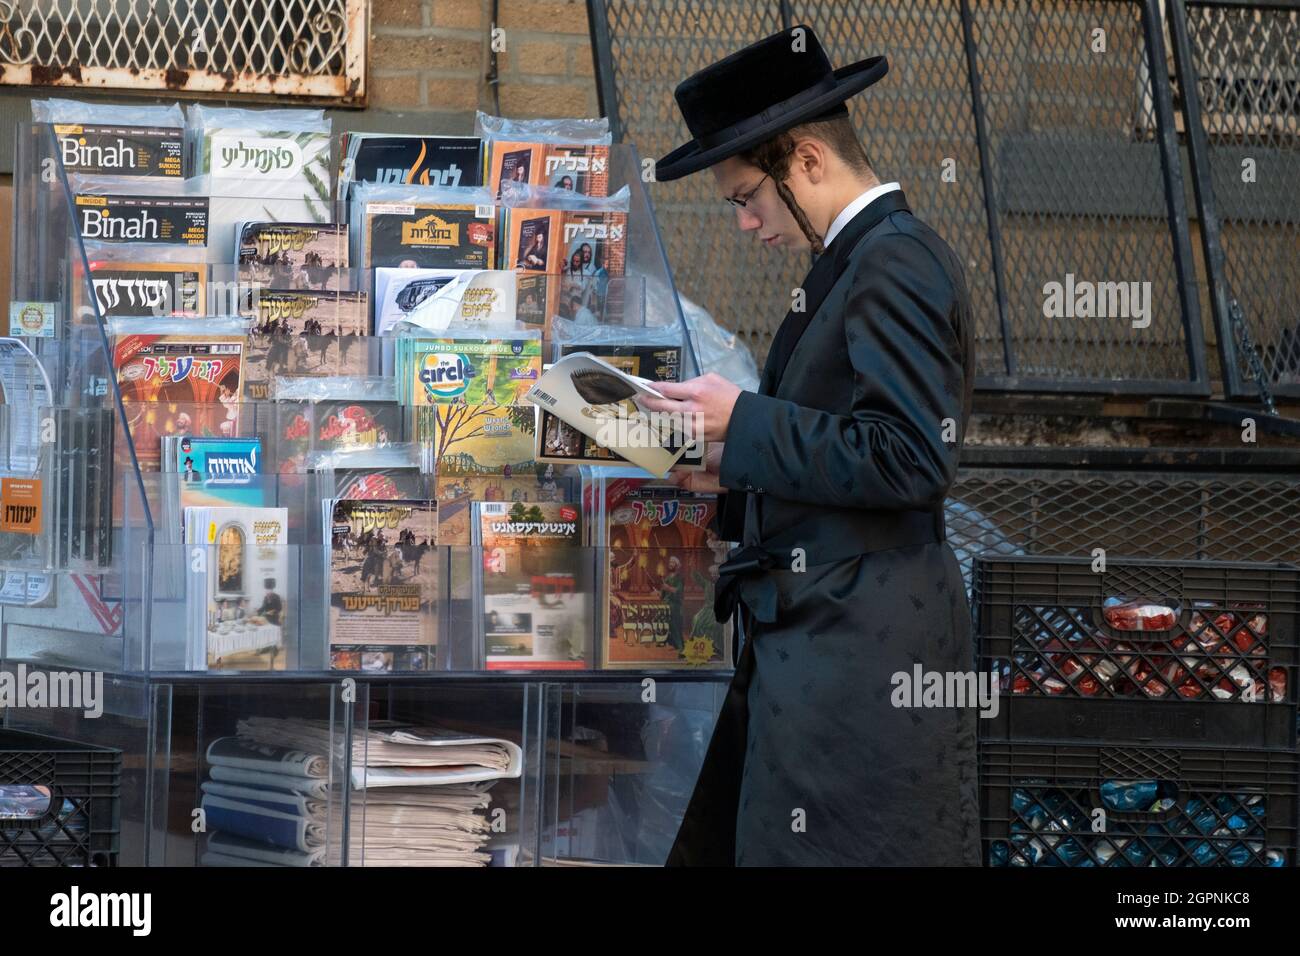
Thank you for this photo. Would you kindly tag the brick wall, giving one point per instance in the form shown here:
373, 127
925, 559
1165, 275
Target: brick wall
433, 56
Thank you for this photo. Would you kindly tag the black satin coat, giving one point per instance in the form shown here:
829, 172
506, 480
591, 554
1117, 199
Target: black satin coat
849, 446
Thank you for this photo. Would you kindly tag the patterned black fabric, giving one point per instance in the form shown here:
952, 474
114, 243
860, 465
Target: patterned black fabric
810, 763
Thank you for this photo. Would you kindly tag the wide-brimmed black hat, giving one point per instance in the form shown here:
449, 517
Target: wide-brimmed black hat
753, 94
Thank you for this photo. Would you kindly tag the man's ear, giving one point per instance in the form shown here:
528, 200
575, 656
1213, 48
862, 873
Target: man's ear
810, 157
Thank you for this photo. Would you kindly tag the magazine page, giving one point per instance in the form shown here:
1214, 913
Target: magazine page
597, 399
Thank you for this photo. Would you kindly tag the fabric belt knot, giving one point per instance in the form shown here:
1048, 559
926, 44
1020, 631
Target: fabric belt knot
747, 566
744, 579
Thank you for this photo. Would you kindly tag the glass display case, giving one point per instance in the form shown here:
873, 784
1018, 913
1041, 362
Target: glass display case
224, 646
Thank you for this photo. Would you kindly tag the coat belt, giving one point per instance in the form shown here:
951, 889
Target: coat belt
743, 578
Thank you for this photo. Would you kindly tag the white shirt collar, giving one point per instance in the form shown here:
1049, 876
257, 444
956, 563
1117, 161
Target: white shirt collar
855, 207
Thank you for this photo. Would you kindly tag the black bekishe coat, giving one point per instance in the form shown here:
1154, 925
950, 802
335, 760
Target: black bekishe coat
840, 464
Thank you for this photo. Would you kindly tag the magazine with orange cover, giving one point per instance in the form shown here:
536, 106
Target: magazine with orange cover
585, 250
578, 168
661, 563
178, 385
515, 162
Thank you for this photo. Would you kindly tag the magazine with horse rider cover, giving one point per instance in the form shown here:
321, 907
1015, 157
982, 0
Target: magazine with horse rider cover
384, 577
305, 333
292, 255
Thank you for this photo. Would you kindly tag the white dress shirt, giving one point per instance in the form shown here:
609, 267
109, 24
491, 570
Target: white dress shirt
855, 207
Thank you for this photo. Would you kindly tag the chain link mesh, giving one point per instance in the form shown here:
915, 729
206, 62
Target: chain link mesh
1073, 160
1218, 516
1247, 64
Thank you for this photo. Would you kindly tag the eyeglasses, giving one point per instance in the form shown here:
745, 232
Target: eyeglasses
741, 203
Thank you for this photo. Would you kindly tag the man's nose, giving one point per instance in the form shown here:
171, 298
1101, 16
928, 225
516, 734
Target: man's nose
746, 219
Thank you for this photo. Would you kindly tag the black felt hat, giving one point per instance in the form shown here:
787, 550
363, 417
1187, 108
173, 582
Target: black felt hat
753, 94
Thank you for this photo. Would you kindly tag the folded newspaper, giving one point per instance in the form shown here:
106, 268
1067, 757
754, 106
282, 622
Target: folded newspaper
599, 400
398, 755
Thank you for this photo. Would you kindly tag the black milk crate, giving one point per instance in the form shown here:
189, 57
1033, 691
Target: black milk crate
1223, 670
80, 826
1056, 803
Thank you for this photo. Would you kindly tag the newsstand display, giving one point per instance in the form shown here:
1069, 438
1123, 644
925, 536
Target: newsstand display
336, 592
274, 481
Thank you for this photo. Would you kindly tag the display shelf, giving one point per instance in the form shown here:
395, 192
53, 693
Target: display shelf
606, 770
115, 602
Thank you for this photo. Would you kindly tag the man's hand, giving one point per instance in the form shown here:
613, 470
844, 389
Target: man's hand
705, 404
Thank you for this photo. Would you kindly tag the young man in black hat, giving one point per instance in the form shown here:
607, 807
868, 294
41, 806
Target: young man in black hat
835, 472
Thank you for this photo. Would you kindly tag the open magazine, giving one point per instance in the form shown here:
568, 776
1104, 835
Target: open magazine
597, 399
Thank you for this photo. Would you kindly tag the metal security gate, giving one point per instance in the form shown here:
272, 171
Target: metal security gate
310, 48
1241, 66
1141, 506
1038, 137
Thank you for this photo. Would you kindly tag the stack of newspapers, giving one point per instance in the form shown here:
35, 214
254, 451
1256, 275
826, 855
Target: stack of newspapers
421, 796
264, 805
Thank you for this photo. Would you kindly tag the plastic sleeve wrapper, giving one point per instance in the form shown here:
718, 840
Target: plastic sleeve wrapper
567, 332
396, 455
56, 110
578, 131
718, 350
200, 114
526, 196
155, 325
95, 185
472, 332
330, 388
105, 252
423, 301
